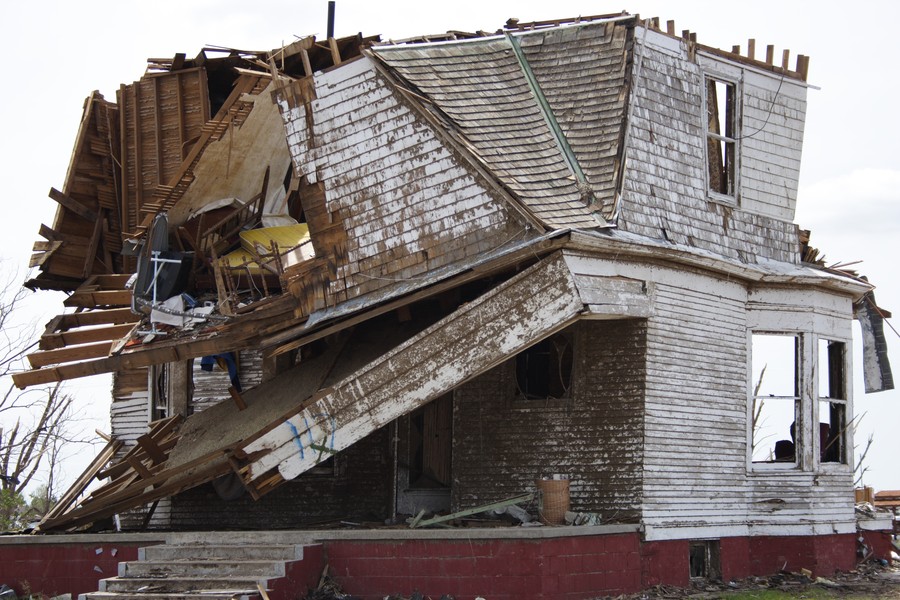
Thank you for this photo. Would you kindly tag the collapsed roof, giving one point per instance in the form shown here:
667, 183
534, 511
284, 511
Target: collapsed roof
267, 200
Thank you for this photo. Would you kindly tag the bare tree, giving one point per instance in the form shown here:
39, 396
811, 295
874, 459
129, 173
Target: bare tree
34, 424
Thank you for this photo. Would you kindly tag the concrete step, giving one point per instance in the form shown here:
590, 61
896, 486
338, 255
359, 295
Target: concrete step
194, 551
204, 567
182, 585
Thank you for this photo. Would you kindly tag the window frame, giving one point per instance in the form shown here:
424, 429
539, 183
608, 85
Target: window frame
845, 454
733, 198
807, 439
800, 416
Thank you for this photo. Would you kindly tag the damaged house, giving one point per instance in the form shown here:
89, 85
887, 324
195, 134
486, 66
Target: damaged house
355, 280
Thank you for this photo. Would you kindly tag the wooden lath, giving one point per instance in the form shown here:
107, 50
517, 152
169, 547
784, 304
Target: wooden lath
233, 112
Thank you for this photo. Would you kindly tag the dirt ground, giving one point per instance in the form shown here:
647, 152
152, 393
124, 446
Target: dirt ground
868, 581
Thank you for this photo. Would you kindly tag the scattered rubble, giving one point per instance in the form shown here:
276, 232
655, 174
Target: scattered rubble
870, 580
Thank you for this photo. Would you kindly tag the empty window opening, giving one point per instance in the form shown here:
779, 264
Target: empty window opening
721, 136
545, 369
776, 397
832, 402
704, 560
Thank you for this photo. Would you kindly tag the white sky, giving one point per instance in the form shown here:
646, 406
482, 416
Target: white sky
59, 51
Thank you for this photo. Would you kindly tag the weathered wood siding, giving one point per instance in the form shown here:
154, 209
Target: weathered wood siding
406, 202
129, 417
211, 387
582, 71
665, 194
503, 442
697, 478
480, 85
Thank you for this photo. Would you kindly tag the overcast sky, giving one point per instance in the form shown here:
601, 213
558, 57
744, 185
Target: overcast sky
59, 51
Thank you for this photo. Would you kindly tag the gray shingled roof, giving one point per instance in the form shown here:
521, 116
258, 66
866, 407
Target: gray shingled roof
482, 88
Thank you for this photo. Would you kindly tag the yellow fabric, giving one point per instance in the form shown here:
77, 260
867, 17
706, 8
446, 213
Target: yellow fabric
286, 236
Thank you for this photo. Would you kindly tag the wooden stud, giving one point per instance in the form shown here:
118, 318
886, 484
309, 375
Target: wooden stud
307, 66
751, 49
335, 51
670, 27
61, 339
803, 66
736, 49
770, 54
785, 59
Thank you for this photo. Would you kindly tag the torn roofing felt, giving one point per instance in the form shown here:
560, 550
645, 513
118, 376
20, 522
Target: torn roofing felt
544, 110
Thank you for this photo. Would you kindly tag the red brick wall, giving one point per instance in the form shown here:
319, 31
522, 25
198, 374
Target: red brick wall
562, 568
878, 542
55, 569
823, 554
665, 563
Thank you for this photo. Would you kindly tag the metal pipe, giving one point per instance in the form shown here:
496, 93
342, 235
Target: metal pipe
330, 18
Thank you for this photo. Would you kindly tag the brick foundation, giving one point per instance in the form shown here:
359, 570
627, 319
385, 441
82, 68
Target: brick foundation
568, 567
54, 569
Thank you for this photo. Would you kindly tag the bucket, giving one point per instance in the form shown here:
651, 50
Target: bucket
554, 500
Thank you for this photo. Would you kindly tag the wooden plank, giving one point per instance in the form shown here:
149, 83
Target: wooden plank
149, 445
139, 467
94, 299
72, 205
83, 480
68, 354
90, 254
98, 317
132, 496
335, 51
84, 336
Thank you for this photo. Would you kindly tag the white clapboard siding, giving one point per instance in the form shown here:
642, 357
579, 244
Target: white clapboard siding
696, 480
665, 192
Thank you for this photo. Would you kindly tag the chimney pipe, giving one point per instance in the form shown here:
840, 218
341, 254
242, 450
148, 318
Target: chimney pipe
330, 18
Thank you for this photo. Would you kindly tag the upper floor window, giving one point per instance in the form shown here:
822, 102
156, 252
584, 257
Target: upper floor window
721, 137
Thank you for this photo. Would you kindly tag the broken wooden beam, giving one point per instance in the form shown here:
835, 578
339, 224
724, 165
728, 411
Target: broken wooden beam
473, 511
76, 207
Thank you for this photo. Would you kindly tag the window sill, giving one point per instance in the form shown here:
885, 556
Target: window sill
730, 201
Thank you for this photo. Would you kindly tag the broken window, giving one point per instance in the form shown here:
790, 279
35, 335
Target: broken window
832, 402
545, 370
775, 387
704, 560
721, 136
